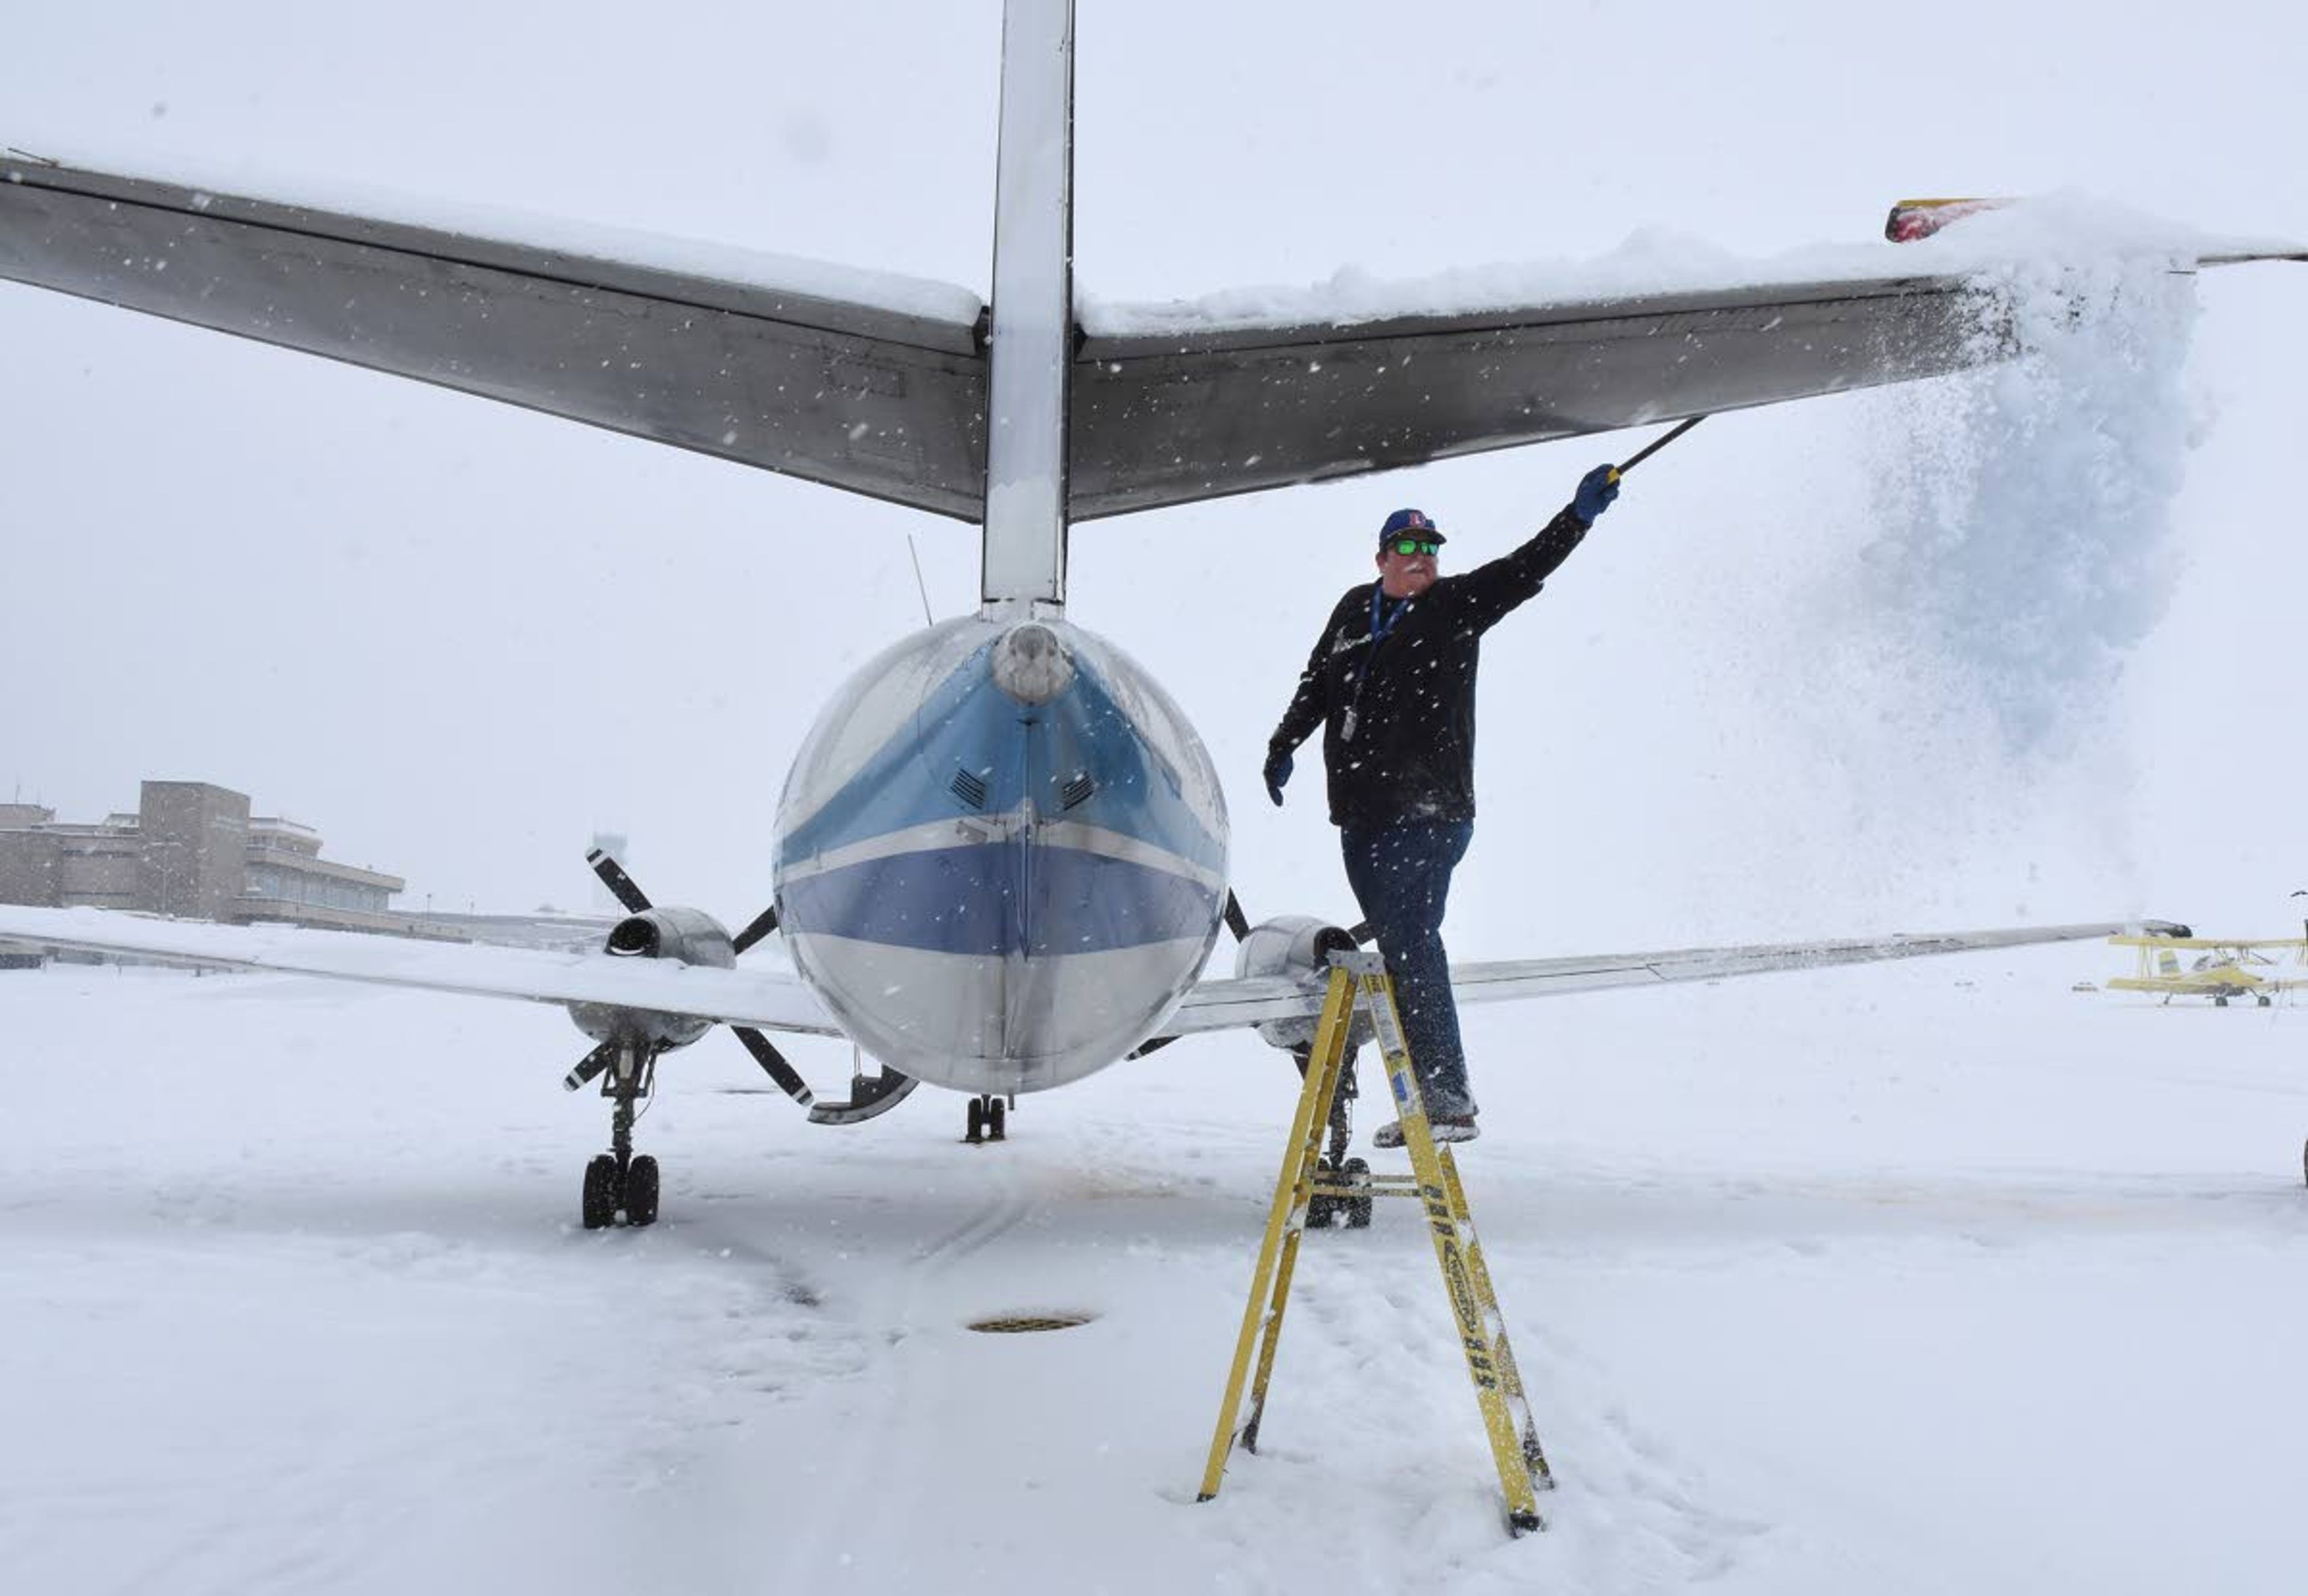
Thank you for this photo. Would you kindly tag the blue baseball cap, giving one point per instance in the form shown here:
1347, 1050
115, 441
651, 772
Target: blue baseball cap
1409, 523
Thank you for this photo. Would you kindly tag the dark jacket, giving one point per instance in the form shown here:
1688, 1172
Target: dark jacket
1410, 754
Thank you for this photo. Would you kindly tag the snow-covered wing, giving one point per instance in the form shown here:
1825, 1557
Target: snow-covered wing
1201, 406
771, 1000
858, 380
1222, 1005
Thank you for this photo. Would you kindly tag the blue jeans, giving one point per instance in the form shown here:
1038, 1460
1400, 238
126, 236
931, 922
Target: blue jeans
1401, 877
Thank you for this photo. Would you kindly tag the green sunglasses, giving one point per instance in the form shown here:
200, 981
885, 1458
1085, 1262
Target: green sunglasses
1413, 546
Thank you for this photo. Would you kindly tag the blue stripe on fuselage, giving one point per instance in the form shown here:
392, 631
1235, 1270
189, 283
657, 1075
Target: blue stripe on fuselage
1002, 897
967, 724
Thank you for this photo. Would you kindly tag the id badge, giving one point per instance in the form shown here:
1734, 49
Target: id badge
1347, 726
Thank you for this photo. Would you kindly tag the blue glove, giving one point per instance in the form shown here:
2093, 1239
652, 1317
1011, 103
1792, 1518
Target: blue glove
1278, 765
1597, 489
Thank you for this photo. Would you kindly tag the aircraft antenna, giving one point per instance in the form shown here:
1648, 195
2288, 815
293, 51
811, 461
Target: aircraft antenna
923, 587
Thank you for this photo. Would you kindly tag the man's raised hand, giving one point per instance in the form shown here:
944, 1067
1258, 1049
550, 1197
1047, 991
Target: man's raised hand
1597, 489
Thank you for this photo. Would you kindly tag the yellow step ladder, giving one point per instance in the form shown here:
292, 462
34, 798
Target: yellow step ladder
1359, 985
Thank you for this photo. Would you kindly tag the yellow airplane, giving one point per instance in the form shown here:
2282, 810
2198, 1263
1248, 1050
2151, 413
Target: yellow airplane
2227, 967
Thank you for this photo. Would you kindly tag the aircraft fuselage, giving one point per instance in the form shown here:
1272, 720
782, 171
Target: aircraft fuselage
1002, 854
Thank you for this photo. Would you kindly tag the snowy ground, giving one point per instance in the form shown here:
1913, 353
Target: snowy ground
1918, 1278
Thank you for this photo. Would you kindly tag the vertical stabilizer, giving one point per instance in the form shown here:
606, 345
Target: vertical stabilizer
1025, 548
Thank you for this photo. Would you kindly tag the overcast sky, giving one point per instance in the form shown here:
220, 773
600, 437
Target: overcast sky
458, 637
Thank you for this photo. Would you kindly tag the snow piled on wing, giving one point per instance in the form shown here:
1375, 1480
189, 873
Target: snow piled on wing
506, 224
2061, 228
2024, 509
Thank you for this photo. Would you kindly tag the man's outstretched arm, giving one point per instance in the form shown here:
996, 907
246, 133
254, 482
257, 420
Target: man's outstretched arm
1492, 590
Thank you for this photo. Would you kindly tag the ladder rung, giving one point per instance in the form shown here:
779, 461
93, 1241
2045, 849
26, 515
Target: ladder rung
1368, 1186
1365, 1191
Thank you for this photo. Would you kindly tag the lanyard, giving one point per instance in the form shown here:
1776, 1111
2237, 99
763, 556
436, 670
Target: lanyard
1383, 621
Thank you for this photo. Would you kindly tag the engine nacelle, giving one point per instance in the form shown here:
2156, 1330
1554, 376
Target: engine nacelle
685, 936
1300, 946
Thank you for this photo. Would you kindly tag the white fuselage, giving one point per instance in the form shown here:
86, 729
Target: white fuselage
1002, 854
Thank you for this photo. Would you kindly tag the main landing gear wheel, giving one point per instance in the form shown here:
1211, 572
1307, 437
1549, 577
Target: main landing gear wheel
601, 1201
641, 1191
608, 1193
1324, 1211
616, 1182
1358, 1208
988, 1120
1321, 1207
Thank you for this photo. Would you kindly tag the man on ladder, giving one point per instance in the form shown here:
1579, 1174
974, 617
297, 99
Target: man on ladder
1391, 684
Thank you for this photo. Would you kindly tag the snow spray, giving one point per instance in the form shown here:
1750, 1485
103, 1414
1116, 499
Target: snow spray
2024, 508
1941, 701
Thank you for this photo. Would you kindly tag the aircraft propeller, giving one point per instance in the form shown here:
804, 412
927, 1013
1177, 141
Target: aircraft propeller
869, 1097
763, 924
591, 1065
1238, 922
621, 886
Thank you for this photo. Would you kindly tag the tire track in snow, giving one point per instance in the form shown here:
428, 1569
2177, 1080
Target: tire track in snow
876, 1462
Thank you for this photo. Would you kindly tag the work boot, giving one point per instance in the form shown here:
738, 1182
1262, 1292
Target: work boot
1446, 1128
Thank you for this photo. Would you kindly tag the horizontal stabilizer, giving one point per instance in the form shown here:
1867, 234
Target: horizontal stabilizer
1167, 417
879, 385
859, 381
1174, 403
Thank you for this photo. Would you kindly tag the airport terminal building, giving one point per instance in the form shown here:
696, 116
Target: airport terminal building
195, 851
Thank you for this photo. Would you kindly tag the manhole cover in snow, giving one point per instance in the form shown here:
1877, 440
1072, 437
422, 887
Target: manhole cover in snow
1024, 1324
